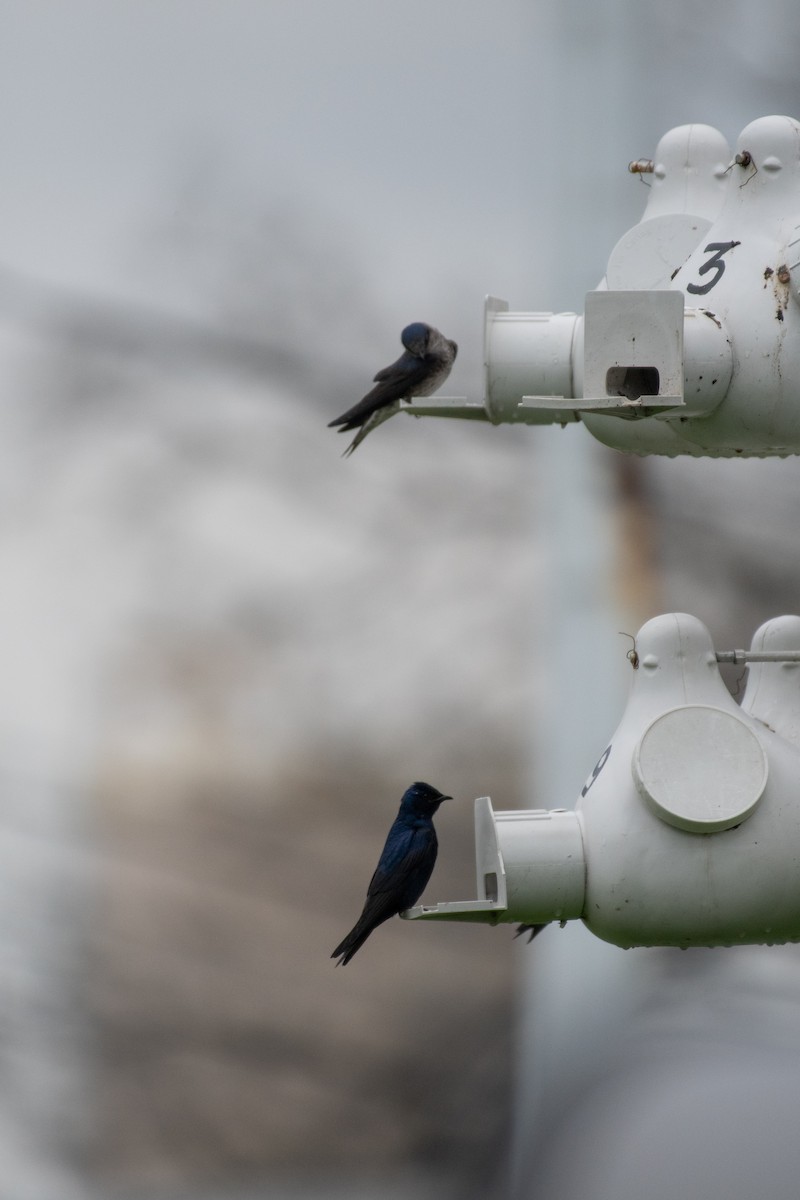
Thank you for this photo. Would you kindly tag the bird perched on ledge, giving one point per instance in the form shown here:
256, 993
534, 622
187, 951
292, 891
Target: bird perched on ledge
404, 867
420, 371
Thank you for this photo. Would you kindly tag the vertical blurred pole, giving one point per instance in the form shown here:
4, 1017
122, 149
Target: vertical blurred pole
577, 995
51, 647
570, 986
43, 1044
573, 989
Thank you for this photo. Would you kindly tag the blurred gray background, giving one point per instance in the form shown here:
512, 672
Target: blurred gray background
225, 651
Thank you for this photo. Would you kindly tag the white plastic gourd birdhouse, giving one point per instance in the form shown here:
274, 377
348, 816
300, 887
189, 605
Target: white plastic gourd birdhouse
687, 830
691, 343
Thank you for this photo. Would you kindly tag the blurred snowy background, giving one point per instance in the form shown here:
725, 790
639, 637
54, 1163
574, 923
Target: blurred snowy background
225, 651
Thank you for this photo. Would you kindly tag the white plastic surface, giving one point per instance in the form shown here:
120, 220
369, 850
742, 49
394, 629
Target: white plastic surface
772, 694
707, 365
527, 354
687, 830
685, 193
690, 169
744, 271
627, 332
700, 768
530, 867
652, 883
723, 235
542, 852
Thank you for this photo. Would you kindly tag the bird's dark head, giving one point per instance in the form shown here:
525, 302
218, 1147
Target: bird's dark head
415, 338
423, 799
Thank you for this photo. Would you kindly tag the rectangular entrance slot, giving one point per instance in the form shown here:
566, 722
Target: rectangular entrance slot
631, 383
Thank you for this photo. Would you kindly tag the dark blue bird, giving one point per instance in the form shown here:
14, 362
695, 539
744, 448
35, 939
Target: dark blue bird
404, 867
426, 363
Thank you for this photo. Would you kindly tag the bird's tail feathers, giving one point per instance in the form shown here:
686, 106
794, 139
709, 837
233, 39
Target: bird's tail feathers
354, 941
358, 439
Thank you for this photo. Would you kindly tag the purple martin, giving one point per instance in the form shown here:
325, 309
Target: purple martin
419, 371
404, 867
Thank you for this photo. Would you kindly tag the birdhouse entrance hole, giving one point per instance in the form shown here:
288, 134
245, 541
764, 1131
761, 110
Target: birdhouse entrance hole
632, 382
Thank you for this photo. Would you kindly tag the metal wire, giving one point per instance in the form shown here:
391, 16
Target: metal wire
748, 656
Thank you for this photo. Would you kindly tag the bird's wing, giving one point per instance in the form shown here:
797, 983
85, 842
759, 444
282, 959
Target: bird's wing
395, 382
403, 870
400, 878
405, 852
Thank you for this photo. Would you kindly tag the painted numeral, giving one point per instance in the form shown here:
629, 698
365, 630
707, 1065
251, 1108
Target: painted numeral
601, 762
715, 264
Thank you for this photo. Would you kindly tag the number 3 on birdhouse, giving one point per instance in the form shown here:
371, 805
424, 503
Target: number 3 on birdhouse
715, 264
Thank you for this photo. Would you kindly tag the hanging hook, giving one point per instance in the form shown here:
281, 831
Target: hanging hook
640, 167
632, 654
745, 159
